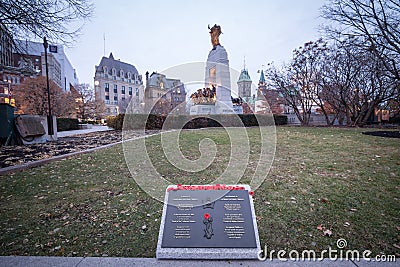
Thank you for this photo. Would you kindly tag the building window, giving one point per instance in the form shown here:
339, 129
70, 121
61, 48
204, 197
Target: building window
115, 97
107, 97
123, 90
121, 73
106, 87
137, 91
114, 72
129, 75
115, 89
130, 91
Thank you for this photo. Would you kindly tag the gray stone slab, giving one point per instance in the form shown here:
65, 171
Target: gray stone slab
32, 261
373, 263
207, 253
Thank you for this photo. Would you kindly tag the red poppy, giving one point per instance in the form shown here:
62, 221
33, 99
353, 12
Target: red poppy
207, 216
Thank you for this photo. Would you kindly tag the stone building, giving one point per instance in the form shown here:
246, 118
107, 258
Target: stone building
11, 75
244, 91
162, 94
118, 83
61, 70
244, 84
269, 100
6, 41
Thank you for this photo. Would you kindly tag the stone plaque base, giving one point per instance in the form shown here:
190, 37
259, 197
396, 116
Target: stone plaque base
202, 109
208, 222
214, 109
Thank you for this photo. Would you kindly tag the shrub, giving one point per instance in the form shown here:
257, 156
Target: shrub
115, 122
280, 119
67, 124
156, 122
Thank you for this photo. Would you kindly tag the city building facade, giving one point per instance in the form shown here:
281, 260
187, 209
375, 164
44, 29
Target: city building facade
10, 75
244, 91
163, 95
118, 83
61, 70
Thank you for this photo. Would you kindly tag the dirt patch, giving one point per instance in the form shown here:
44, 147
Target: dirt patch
390, 134
16, 155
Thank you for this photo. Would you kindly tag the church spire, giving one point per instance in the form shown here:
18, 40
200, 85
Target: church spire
262, 78
111, 56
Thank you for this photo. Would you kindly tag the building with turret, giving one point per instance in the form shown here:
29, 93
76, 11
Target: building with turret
118, 83
163, 94
244, 84
269, 100
244, 91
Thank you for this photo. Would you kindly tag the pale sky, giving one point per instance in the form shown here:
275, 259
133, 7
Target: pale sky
156, 35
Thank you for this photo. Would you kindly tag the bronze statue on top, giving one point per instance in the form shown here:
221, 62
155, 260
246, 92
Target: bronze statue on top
215, 31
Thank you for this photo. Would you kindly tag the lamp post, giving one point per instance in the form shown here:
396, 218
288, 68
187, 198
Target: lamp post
96, 91
49, 117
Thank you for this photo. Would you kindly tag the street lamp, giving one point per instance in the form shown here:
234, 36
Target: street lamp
49, 117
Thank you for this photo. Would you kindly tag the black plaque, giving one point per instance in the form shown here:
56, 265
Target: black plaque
194, 219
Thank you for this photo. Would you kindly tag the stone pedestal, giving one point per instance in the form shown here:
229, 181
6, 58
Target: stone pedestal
217, 73
202, 110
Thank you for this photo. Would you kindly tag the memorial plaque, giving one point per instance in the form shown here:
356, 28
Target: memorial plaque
208, 222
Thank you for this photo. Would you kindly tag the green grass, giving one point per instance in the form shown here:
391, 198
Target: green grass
91, 206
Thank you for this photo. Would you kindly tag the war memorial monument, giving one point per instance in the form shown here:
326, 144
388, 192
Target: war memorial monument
215, 97
213, 221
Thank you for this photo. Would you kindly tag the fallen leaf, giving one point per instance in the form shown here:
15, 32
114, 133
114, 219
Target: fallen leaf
320, 227
323, 200
327, 232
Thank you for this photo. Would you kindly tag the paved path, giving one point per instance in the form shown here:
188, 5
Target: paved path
94, 128
19, 261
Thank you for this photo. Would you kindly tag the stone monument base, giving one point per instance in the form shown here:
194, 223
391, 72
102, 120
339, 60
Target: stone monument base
215, 109
202, 109
208, 222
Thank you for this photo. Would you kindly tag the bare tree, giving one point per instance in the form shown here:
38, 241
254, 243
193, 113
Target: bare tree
356, 82
31, 98
88, 106
377, 21
55, 19
299, 82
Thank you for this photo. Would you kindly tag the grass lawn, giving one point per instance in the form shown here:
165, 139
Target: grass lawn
91, 206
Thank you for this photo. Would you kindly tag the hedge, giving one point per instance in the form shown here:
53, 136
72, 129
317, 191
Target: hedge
156, 122
67, 124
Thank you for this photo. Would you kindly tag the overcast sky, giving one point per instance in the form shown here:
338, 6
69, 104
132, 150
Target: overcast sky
156, 35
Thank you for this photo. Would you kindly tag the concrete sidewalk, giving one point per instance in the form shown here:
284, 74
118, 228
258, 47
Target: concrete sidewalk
94, 128
19, 261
